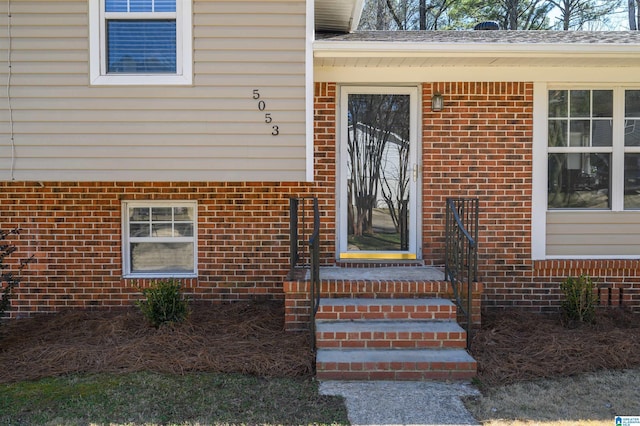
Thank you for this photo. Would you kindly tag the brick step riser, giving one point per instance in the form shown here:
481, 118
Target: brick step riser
384, 289
391, 371
391, 341
335, 313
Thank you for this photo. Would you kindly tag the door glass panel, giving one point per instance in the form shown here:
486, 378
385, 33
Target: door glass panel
378, 172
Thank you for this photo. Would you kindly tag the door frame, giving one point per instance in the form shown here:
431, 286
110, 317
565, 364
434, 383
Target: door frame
415, 199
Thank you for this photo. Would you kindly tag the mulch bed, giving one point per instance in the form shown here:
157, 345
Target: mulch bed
246, 338
249, 338
513, 346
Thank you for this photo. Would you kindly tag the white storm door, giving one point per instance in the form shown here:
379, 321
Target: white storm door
378, 173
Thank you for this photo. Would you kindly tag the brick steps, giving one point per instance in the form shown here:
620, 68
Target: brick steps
379, 309
390, 339
444, 364
390, 334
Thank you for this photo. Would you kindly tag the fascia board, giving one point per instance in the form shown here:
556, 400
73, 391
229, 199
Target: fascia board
355, 15
328, 49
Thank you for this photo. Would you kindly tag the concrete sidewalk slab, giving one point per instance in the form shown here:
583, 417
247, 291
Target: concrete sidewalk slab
403, 403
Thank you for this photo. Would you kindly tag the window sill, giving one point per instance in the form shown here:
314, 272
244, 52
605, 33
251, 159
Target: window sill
142, 80
158, 276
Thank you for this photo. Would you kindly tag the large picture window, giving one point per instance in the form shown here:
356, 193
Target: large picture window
593, 149
141, 41
580, 141
159, 239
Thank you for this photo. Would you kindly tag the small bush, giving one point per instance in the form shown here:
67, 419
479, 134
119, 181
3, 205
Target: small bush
164, 303
580, 299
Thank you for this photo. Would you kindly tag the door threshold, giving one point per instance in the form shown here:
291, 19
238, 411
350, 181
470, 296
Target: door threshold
378, 263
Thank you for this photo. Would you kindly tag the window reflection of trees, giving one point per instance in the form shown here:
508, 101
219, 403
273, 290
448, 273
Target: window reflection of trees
378, 163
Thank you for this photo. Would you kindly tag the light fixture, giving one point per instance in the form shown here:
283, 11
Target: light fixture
437, 102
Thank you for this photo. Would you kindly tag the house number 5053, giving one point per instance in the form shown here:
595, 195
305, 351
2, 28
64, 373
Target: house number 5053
268, 118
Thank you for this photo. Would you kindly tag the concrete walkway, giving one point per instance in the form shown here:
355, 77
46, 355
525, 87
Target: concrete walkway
403, 403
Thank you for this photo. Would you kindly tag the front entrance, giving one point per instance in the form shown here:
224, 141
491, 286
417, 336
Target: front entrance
378, 173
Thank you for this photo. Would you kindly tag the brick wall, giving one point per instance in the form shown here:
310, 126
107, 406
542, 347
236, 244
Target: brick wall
74, 231
480, 145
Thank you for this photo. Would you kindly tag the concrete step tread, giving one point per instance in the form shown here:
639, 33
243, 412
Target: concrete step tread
385, 302
390, 273
393, 355
420, 326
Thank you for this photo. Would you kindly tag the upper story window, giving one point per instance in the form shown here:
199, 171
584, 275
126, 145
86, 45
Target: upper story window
593, 149
141, 42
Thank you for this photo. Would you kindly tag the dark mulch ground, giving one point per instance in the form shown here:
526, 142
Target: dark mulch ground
249, 338
246, 338
516, 346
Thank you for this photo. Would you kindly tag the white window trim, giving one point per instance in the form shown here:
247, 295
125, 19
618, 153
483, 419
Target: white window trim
126, 262
184, 51
540, 165
539, 173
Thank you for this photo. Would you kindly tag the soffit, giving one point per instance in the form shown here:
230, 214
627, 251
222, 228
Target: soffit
340, 16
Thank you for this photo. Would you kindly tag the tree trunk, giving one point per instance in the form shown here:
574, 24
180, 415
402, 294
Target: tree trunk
512, 13
380, 21
632, 15
566, 18
394, 15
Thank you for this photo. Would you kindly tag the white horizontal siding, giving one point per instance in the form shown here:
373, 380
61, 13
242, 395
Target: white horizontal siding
581, 233
65, 129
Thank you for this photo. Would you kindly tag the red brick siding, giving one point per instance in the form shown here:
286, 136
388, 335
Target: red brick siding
325, 156
74, 231
480, 145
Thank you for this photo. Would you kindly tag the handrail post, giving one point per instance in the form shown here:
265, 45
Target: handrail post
314, 252
293, 231
297, 232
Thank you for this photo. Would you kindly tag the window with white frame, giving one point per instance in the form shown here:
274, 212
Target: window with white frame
159, 239
632, 149
141, 42
593, 149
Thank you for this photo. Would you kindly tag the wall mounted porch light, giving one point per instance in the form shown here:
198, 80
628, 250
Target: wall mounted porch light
437, 102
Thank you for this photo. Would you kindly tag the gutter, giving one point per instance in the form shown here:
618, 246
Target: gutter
362, 49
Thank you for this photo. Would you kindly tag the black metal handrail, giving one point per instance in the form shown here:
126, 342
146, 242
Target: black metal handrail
299, 228
314, 249
461, 253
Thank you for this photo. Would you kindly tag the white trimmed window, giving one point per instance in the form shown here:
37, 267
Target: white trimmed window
593, 149
580, 144
159, 239
140, 42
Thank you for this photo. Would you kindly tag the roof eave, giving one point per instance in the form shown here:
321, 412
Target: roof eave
327, 49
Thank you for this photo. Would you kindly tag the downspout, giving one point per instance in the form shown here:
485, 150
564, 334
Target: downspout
9, 104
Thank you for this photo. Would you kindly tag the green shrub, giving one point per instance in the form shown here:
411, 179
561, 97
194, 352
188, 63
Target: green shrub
164, 303
580, 299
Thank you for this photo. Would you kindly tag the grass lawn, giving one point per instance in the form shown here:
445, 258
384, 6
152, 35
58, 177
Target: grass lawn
145, 398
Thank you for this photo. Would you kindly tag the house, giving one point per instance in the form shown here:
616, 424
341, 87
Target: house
124, 164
